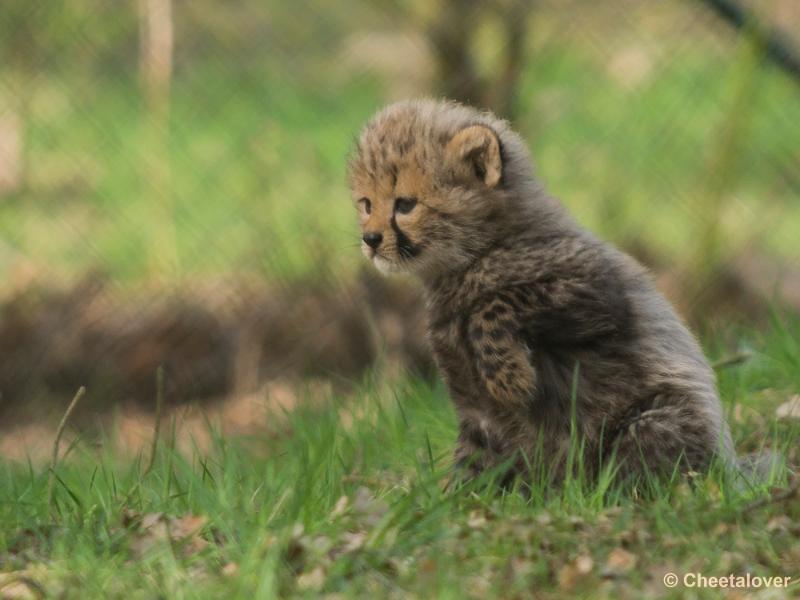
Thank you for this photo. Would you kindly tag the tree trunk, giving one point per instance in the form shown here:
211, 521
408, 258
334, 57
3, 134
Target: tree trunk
451, 35
155, 67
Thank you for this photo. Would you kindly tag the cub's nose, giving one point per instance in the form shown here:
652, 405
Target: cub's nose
373, 239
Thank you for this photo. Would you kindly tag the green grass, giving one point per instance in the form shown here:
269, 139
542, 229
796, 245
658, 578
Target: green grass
273, 507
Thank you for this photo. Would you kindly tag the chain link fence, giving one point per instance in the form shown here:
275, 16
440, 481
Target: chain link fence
172, 184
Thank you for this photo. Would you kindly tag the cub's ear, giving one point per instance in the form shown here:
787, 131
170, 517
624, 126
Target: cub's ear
474, 153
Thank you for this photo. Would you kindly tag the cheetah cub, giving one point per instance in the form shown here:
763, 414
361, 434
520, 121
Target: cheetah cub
535, 324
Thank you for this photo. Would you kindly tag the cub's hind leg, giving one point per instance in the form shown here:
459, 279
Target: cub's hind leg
659, 441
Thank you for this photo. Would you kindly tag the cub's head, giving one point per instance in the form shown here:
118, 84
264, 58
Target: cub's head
432, 184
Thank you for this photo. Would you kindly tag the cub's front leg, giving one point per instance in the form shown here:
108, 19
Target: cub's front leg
480, 448
497, 429
502, 360
477, 448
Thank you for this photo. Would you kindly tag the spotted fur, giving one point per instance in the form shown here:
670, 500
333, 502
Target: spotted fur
528, 311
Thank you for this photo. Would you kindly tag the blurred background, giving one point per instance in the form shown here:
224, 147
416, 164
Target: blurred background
172, 179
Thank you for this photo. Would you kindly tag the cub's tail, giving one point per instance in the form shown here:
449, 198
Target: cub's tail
757, 468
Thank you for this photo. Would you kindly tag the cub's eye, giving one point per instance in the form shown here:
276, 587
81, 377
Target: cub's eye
404, 205
366, 204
